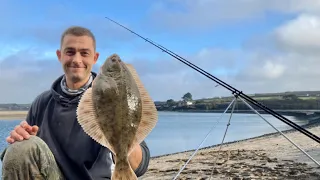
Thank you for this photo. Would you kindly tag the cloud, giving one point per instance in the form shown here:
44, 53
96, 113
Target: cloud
300, 34
210, 59
293, 60
30, 71
168, 78
285, 58
55, 18
26, 74
205, 14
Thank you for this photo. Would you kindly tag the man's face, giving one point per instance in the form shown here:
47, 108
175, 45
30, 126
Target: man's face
77, 56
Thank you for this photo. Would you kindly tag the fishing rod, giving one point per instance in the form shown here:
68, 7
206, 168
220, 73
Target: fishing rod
234, 91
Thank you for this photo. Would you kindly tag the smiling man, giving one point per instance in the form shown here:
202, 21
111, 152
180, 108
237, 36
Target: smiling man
50, 144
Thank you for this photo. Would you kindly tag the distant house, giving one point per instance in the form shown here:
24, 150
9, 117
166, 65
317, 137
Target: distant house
188, 103
185, 103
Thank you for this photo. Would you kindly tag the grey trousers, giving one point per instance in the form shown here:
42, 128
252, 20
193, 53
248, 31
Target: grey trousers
29, 160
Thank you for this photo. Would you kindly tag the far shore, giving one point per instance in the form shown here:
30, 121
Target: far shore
19, 115
13, 115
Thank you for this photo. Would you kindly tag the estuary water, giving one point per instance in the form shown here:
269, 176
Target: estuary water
177, 132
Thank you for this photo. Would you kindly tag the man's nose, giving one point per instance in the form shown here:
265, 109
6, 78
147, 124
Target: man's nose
77, 58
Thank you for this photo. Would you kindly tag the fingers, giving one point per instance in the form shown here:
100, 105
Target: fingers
10, 140
20, 131
14, 135
30, 129
26, 126
34, 130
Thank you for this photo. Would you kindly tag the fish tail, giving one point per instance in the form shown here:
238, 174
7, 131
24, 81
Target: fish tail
123, 172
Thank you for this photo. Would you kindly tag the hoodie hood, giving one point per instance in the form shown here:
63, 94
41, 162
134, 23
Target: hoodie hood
60, 97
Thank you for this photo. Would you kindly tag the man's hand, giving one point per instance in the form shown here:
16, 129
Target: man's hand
135, 157
21, 132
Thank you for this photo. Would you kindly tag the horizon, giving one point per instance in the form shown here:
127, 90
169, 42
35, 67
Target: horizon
252, 94
256, 47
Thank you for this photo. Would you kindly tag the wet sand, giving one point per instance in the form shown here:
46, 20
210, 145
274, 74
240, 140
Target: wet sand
265, 157
13, 115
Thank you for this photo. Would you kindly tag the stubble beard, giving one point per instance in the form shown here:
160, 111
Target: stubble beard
77, 77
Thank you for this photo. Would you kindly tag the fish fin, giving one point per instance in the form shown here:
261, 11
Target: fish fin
149, 116
87, 119
123, 173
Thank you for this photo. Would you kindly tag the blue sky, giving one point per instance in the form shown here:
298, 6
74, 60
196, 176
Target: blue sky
253, 46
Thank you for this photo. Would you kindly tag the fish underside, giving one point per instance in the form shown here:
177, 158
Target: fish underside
118, 113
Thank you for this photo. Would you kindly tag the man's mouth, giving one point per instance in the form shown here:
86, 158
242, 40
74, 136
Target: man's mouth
76, 67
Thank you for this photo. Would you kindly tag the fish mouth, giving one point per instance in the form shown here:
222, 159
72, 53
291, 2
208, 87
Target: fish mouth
122, 65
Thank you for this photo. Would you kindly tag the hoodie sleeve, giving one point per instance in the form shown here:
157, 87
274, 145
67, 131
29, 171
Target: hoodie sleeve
34, 111
31, 115
143, 167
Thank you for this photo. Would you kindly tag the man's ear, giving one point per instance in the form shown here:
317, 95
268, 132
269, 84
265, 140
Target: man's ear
58, 52
96, 57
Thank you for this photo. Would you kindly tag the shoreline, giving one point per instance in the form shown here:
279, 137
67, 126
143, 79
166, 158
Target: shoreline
312, 123
269, 156
296, 113
13, 115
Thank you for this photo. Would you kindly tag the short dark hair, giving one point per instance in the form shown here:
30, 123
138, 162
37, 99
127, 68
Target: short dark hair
78, 31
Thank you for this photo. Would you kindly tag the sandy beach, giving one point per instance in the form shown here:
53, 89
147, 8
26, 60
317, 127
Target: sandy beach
265, 157
13, 115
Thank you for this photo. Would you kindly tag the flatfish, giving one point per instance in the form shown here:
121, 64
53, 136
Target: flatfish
117, 112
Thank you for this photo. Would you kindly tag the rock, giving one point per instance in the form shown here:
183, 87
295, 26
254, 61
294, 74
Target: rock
260, 170
234, 171
246, 174
293, 172
236, 178
236, 166
216, 171
201, 178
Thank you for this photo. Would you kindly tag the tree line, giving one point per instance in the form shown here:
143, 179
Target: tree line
283, 102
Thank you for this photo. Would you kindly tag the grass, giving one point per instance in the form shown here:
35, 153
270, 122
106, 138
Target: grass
280, 98
267, 98
308, 98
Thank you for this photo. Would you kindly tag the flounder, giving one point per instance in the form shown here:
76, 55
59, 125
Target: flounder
117, 112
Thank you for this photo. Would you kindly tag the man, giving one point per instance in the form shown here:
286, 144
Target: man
51, 144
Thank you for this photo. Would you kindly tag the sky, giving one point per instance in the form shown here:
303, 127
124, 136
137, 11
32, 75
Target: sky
256, 46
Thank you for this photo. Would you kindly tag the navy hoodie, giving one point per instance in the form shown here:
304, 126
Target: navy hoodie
78, 156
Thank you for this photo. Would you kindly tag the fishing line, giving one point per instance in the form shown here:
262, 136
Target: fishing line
297, 146
227, 86
224, 136
200, 145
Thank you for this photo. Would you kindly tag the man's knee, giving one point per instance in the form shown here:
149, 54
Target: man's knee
22, 150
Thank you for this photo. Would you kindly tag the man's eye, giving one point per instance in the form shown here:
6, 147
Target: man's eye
70, 52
